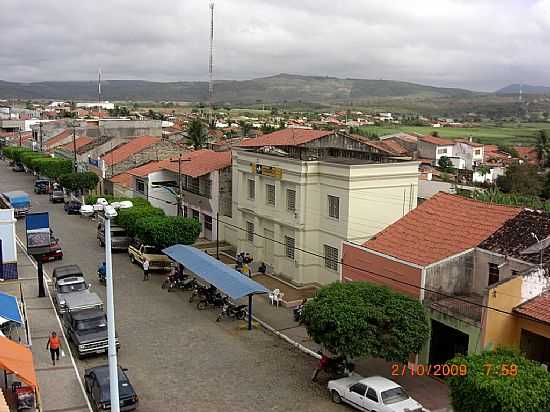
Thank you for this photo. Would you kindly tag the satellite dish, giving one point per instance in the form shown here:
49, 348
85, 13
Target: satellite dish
537, 247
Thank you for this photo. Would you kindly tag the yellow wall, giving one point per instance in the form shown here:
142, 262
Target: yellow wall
498, 328
505, 330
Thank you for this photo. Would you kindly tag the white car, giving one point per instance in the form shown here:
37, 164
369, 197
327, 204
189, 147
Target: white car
374, 394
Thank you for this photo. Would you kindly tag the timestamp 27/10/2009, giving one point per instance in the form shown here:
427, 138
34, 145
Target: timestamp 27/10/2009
446, 370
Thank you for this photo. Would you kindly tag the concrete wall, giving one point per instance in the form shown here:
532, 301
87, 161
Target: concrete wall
9, 245
360, 264
371, 196
453, 276
481, 268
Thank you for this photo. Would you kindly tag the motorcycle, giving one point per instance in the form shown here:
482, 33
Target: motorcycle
229, 309
298, 312
201, 291
173, 279
183, 284
215, 300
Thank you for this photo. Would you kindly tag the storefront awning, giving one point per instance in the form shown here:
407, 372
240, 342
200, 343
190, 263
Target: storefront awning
17, 359
9, 309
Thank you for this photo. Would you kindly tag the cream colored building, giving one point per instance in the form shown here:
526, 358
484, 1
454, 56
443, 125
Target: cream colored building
348, 189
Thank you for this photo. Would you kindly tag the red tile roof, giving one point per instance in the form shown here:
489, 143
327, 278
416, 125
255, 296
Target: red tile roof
79, 142
199, 162
536, 308
58, 139
441, 227
147, 168
287, 137
436, 140
123, 152
528, 154
123, 179
380, 145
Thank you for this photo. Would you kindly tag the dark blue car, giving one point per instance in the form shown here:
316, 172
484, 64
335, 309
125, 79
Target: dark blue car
96, 383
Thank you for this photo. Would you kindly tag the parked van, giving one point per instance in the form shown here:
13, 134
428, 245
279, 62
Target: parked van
119, 238
19, 201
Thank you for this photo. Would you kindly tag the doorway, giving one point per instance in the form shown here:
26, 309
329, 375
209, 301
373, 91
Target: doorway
446, 342
268, 246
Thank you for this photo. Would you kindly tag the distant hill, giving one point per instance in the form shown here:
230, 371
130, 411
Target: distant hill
279, 88
526, 89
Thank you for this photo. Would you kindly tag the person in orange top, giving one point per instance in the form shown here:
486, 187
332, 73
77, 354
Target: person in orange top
53, 345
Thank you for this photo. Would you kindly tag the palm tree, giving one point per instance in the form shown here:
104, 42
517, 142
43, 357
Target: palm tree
197, 133
543, 148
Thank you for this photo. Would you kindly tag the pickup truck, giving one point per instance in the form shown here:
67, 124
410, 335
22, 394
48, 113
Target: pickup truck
119, 238
64, 271
138, 252
67, 286
57, 196
87, 330
19, 201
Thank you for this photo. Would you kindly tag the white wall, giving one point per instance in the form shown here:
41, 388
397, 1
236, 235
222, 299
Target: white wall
7, 234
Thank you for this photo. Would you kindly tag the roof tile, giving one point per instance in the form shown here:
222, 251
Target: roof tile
287, 137
199, 162
123, 152
436, 140
536, 308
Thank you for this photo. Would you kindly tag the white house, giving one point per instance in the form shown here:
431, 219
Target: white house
432, 147
8, 246
471, 152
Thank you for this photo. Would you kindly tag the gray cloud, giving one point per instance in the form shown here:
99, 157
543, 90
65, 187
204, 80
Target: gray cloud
479, 44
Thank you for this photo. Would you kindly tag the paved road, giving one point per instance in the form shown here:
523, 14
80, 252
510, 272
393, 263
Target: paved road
180, 358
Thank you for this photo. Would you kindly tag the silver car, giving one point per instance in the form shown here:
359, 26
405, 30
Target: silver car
65, 287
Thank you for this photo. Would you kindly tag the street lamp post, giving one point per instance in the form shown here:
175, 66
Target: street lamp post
109, 214
180, 212
74, 149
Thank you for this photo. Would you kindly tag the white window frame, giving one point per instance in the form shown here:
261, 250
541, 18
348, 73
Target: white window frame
268, 201
291, 200
331, 262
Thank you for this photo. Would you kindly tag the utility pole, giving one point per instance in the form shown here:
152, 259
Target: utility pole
179, 186
40, 127
211, 64
74, 148
19, 136
217, 236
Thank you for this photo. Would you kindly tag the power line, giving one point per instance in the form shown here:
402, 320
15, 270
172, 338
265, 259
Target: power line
370, 272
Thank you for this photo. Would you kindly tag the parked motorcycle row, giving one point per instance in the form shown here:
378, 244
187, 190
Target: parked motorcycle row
208, 296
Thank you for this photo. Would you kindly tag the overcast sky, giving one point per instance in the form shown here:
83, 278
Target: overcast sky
477, 44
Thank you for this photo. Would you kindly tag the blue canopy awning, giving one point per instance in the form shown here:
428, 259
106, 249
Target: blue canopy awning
9, 309
231, 282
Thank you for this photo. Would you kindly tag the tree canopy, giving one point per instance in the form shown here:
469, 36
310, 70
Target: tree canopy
499, 381
79, 182
52, 167
542, 147
197, 133
522, 179
165, 231
361, 319
445, 164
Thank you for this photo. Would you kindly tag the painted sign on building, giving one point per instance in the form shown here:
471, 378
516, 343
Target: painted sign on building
268, 171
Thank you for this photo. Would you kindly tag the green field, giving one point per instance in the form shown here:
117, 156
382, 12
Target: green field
507, 134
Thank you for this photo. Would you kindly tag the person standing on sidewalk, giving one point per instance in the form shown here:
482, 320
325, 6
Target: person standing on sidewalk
146, 269
53, 345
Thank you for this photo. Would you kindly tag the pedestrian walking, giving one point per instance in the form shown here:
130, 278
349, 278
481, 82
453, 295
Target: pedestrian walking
246, 270
53, 345
146, 269
323, 363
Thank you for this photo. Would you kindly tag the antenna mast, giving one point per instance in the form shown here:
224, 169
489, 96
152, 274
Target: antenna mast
211, 61
99, 93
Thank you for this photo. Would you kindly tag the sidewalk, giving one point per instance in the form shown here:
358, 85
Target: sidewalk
431, 393
59, 385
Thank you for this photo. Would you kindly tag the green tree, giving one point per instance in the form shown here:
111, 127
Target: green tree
28, 105
542, 147
165, 231
499, 381
361, 319
52, 167
445, 164
521, 179
15, 153
246, 128
130, 218
198, 134
79, 182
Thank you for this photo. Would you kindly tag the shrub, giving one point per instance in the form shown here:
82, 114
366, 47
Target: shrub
165, 231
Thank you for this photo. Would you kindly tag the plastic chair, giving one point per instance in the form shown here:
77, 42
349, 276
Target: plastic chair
276, 296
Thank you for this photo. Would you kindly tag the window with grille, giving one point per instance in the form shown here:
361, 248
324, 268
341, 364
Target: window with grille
251, 189
207, 222
331, 257
493, 273
291, 199
290, 244
270, 194
250, 231
140, 186
334, 207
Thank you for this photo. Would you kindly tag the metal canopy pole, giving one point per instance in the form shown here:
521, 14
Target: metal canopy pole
249, 312
41, 291
217, 236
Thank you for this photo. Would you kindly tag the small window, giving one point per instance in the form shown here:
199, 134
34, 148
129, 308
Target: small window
371, 394
250, 231
359, 389
270, 194
207, 222
442, 151
331, 257
291, 200
196, 214
478, 152
289, 247
251, 189
334, 207
493, 273
140, 186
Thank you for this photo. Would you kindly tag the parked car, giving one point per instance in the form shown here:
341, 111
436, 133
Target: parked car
67, 286
72, 207
18, 167
55, 252
96, 383
138, 252
64, 271
57, 196
372, 394
119, 238
41, 186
